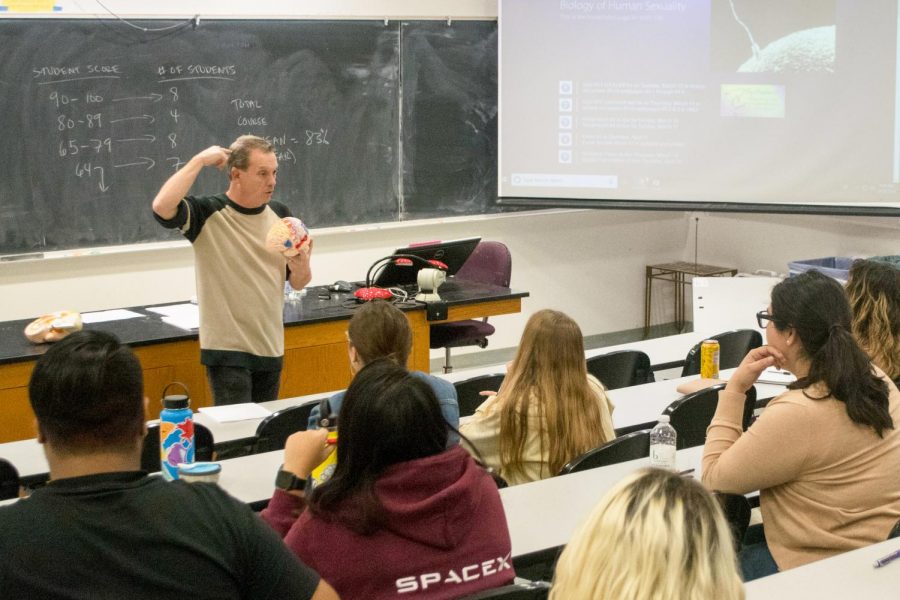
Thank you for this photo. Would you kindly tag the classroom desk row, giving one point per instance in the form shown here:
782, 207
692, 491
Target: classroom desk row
29, 460
848, 575
541, 515
545, 514
664, 352
635, 407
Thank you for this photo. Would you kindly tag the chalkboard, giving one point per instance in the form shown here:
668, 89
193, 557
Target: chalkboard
372, 122
449, 118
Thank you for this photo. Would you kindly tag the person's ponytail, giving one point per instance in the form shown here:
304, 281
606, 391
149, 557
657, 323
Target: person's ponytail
847, 372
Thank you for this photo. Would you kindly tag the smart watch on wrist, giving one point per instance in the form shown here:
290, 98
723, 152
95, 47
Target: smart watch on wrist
287, 481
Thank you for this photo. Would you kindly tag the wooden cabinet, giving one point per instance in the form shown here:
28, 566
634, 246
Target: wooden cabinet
315, 360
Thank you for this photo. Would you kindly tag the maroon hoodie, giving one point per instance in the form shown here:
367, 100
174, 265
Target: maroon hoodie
445, 534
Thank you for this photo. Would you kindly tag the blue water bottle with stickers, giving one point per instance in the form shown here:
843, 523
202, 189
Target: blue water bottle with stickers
176, 432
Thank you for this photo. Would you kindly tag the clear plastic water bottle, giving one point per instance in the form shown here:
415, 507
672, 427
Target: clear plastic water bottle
662, 444
176, 432
292, 295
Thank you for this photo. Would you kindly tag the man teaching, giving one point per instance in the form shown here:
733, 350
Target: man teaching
239, 283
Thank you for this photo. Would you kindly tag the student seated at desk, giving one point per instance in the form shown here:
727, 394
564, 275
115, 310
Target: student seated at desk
548, 410
825, 455
378, 329
102, 527
402, 515
874, 292
656, 534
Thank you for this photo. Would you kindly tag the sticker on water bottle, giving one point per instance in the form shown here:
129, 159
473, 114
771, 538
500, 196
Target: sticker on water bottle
662, 456
176, 445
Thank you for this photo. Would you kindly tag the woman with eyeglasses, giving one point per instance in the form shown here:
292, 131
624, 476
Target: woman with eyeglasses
825, 455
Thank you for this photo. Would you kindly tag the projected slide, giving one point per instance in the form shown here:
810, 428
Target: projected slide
762, 101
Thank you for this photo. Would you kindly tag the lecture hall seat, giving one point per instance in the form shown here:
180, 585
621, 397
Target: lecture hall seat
733, 347
273, 431
9, 480
692, 414
468, 391
150, 459
621, 369
627, 447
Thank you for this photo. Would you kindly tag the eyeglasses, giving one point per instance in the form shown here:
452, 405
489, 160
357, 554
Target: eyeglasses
762, 317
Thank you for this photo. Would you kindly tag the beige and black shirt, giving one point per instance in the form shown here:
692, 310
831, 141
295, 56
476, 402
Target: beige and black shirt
240, 285
827, 485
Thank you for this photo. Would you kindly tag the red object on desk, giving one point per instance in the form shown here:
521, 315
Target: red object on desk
407, 262
372, 293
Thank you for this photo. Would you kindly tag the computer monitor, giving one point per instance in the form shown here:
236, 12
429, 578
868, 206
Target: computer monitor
452, 253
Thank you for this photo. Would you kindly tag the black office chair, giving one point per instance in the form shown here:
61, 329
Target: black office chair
467, 391
733, 347
529, 590
9, 480
490, 263
203, 446
274, 430
621, 369
628, 447
736, 509
692, 414
895, 532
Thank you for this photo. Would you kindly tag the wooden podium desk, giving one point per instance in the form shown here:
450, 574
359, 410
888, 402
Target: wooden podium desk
315, 354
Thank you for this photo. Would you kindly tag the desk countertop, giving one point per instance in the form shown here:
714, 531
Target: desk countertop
635, 406
847, 575
536, 522
310, 308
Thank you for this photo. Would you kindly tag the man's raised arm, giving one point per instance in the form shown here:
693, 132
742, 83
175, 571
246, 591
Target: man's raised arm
177, 186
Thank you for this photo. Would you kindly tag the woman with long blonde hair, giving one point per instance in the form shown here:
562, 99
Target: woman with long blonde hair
655, 536
548, 410
874, 293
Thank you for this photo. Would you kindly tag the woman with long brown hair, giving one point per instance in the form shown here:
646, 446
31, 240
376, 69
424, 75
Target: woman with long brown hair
548, 410
874, 293
826, 453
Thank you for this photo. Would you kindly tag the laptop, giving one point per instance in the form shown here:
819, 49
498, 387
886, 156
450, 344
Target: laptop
453, 253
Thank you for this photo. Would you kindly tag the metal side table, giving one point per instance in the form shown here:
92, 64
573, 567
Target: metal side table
678, 273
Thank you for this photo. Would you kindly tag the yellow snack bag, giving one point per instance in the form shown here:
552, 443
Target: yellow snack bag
325, 470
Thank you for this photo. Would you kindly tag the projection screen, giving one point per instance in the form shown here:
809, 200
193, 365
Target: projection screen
769, 103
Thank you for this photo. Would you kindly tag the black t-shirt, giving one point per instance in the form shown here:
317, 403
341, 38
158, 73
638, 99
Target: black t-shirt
131, 536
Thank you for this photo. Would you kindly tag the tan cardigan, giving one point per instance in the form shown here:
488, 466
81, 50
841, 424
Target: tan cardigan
483, 430
827, 484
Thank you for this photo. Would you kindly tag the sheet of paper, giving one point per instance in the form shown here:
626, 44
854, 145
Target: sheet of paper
109, 315
236, 412
184, 316
776, 376
175, 310
186, 323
